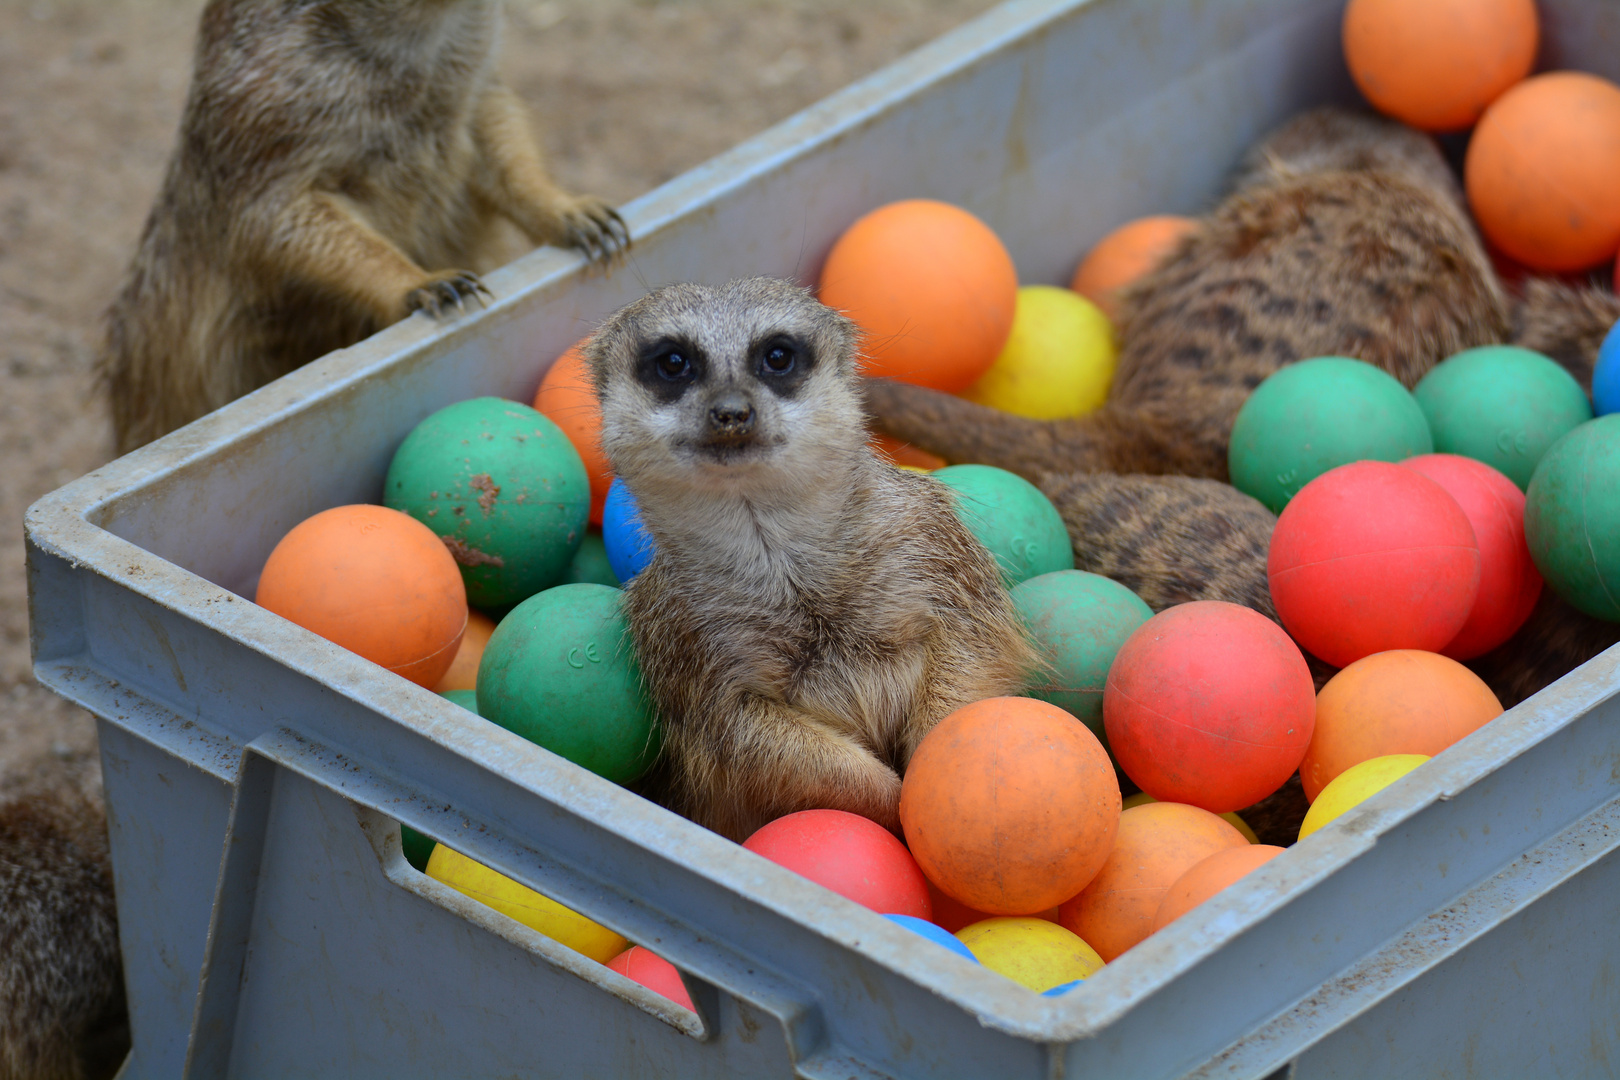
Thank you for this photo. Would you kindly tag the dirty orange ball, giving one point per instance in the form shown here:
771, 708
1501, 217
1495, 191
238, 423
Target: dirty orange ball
1208, 877
568, 399
1542, 170
1399, 702
931, 288
1156, 844
463, 673
1009, 805
1436, 64
375, 581
1126, 254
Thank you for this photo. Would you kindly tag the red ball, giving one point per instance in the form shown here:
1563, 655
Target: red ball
652, 971
1509, 583
853, 856
1209, 704
1372, 556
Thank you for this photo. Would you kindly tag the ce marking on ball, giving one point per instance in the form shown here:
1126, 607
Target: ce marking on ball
1509, 441
590, 653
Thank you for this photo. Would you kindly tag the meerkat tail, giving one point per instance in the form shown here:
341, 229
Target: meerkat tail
1554, 641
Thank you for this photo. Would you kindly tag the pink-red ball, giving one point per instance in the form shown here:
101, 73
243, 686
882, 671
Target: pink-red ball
851, 855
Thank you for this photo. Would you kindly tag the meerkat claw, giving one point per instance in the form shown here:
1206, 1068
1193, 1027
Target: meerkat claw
454, 287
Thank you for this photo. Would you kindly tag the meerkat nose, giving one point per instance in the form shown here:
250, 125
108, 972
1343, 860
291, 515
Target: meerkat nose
731, 417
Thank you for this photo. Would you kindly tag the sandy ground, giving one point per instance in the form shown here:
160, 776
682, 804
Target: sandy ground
628, 94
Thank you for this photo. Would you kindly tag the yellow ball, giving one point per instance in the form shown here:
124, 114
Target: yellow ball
1229, 817
528, 907
1058, 360
1036, 953
1355, 785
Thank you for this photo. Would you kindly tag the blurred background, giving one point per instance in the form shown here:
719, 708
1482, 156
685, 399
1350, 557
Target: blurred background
626, 94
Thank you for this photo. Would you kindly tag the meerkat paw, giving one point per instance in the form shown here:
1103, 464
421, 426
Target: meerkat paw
592, 226
444, 289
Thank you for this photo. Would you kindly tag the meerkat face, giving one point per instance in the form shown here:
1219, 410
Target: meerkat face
750, 385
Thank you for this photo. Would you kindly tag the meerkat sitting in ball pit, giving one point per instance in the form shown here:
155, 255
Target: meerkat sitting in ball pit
812, 611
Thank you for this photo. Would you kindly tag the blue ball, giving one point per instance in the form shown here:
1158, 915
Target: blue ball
1606, 376
1058, 991
629, 547
937, 934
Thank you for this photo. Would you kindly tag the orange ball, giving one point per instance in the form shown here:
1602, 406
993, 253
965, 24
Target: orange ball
1436, 64
1156, 844
951, 914
904, 454
375, 581
463, 673
1399, 702
1208, 877
1009, 805
1542, 170
1131, 251
567, 398
930, 286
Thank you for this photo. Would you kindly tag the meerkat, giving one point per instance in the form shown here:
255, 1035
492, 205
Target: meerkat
811, 611
341, 164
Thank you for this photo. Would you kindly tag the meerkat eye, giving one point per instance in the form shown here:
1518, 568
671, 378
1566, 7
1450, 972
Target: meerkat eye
674, 366
778, 359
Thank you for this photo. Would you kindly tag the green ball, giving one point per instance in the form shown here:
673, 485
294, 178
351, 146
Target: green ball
504, 487
590, 564
560, 671
1011, 518
418, 848
1572, 517
1501, 405
1078, 621
467, 699
1316, 415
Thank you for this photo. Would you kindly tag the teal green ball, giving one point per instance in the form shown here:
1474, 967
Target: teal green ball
1011, 518
467, 699
418, 848
1316, 415
590, 564
561, 671
1502, 405
1078, 621
505, 489
1572, 517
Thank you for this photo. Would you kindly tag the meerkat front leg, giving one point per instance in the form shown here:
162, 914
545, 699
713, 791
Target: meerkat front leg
515, 181
322, 239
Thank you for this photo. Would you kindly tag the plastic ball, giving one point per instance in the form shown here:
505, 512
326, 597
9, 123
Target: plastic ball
1078, 621
1316, 415
931, 288
1127, 254
628, 544
1208, 877
1010, 805
1370, 557
1399, 702
416, 847
1031, 952
504, 488
1157, 843
560, 671
904, 455
1209, 704
1606, 375
950, 914
1540, 171
568, 397
591, 565
937, 934
1142, 798
1501, 405
854, 857
539, 913
375, 581
1509, 583
1436, 64
467, 699
1011, 518
654, 972
1058, 360
1572, 518
1356, 785
463, 673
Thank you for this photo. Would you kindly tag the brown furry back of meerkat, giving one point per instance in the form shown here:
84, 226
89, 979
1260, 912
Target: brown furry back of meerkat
811, 611
340, 164
61, 980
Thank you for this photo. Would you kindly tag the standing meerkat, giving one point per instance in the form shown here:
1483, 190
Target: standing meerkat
341, 163
811, 611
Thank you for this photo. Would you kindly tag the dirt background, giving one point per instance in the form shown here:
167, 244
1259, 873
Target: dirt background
626, 93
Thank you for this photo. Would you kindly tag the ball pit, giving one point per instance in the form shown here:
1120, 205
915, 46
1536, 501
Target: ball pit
856, 858
463, 673
937, 934
1126, 255
639, 965
625, 540
1356, 785
1058, 360
567, 397
1031, 952
1142, 798
1399, 702
1209, 876
1572, 517
467, 699
1010, 805
1011, 518
1606, 373
539, 913
591, 565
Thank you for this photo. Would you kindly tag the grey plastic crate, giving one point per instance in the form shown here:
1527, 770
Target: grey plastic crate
1462, 923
